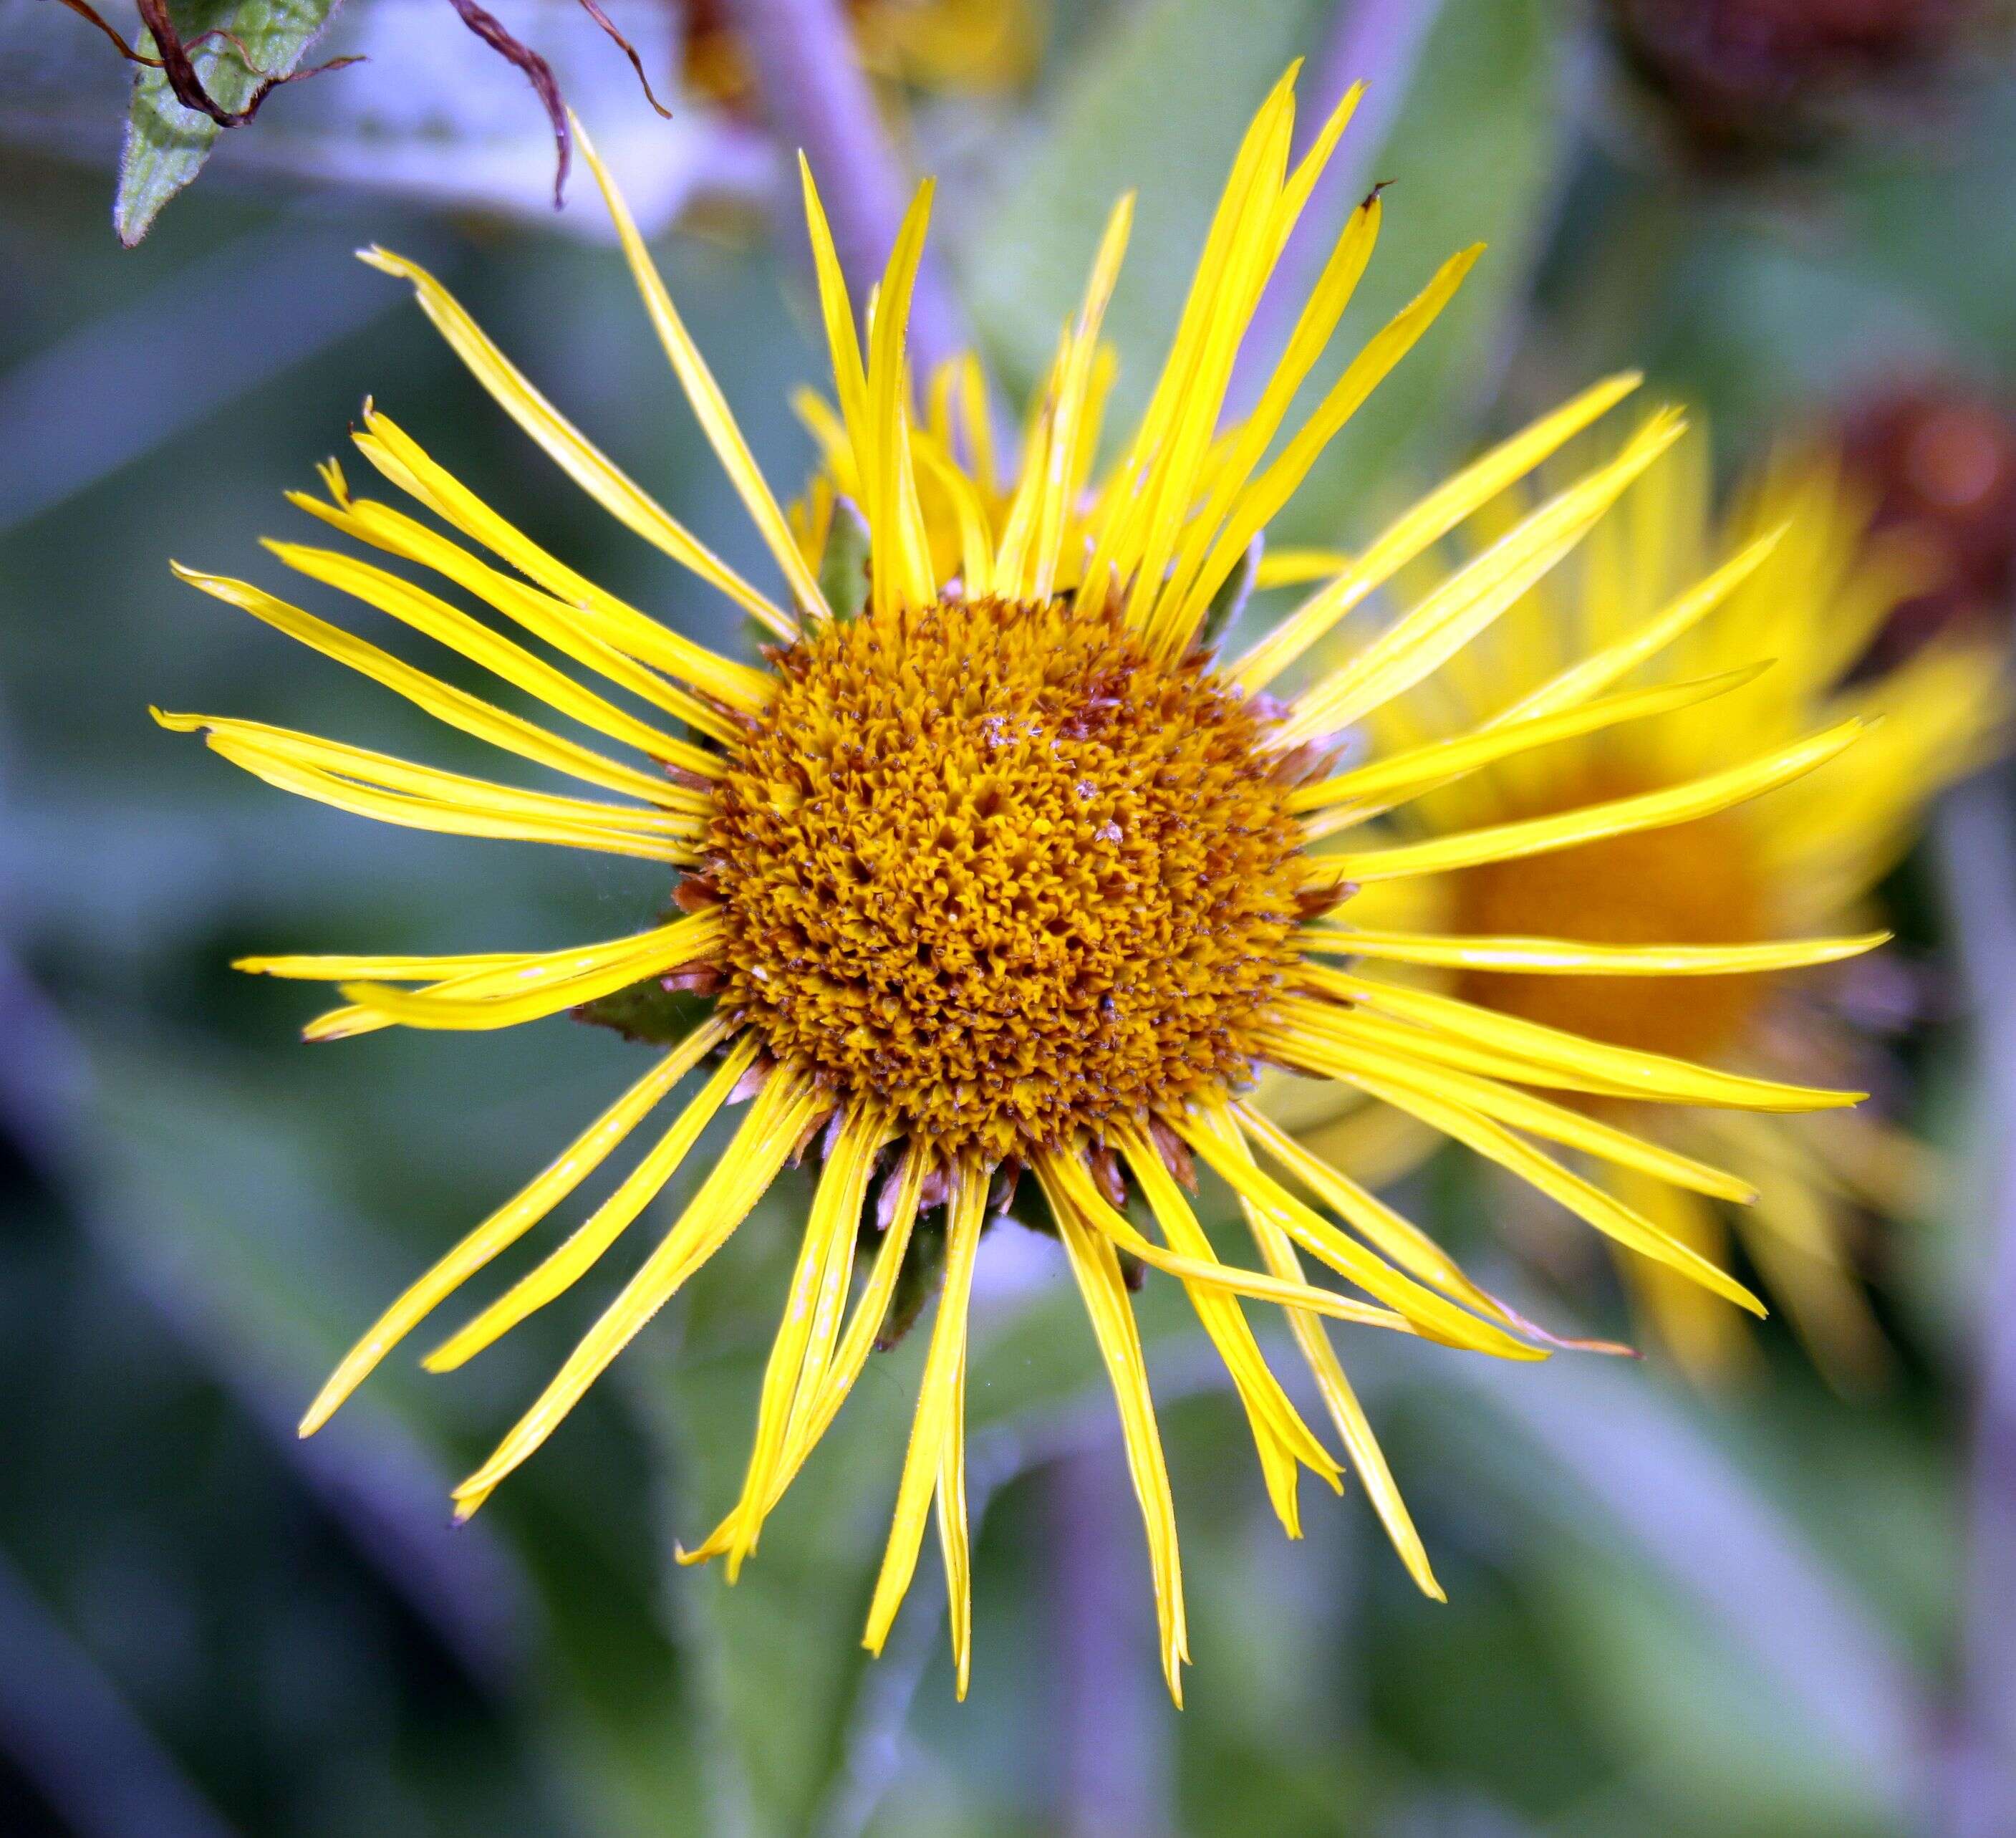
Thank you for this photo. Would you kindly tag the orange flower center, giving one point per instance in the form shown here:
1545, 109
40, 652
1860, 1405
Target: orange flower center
989, 864
1694, 884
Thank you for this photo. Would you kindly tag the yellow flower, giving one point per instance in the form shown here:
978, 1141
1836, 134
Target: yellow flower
950, 46
1806, 858
992, 867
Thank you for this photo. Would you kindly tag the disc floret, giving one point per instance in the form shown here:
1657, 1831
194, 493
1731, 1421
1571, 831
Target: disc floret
987, 864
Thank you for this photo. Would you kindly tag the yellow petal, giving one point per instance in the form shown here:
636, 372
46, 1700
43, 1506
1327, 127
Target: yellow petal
1393, 1234
1264, 499
442, 701
1097, 1270
1155, 473
1427, 522
797, 1355
400, 458
1296, 567
1401, 776
539, 984
1204, 1273
1342, 1055
512, 1221
450, 626
567, 628
736, 1182
1585, 1200
708, 403
1560, 956
1065, 424
1655, 1077
952, 1540
1451, 617
448, 805
850, 379
896, 534
864, 1326
1617, 816
1353, 1427
1208, 557
1433, 1314
1269, 1410
584, 463
940, 1394
685, 816
1594, 674
565, 1266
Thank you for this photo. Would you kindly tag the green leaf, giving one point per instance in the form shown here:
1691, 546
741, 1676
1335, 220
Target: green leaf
1474, 156
166, 144
217, 1196
648, 1012
843, 569
1157, 105
1160, 104
781, 1649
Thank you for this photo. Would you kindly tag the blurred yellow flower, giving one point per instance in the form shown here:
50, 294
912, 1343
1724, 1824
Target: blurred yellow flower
992, 867
1805, 858
935, 46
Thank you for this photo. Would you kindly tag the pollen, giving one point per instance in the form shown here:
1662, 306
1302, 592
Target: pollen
988, 865
1691, 884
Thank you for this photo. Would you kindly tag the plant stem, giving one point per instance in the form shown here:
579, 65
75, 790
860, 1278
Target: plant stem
1978, 861
818, 98
1111, 1767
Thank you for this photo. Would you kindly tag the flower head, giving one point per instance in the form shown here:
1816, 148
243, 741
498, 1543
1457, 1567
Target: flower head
1739, 83
1805, 859
991, 864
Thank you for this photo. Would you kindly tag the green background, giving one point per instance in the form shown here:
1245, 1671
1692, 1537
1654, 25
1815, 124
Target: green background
1744, 1615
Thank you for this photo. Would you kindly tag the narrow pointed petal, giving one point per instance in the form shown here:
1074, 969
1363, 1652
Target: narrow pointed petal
584, 1246
1566, 957
576, 455
1097, 1270
737, 1182
1617, 816
940, 1395
511, 1221
1354, 1428
1426, 523
456, 708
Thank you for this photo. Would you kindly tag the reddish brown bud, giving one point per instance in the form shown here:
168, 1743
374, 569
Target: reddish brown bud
1175, 1154
1738, 83
1105, 1176
695, 893
1325, 896
1939, 461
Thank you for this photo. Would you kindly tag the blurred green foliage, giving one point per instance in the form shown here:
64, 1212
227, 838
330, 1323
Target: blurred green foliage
195, 1225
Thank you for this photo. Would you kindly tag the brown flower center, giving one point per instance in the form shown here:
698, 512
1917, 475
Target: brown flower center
988, 863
